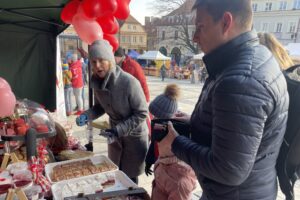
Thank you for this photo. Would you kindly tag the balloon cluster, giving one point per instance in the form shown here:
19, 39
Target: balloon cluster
96, 19
7, 99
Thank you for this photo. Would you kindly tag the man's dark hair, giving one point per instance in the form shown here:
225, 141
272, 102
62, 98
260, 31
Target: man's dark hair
240, 9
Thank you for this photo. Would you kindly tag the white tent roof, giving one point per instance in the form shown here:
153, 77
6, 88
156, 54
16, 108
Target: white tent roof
293, 49
153, 55
198, 56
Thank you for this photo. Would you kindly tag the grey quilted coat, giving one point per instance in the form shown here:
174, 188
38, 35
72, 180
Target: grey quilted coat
121, 96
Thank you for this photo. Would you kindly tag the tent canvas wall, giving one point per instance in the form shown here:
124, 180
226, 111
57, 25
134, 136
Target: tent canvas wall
28, 31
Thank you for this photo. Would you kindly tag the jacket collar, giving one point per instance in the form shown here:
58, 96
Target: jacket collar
220, 58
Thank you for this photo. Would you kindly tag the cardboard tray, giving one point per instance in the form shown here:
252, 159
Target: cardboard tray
97, 159
122, 182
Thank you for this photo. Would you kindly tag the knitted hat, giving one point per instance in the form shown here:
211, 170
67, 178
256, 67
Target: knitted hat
101, 49
120, 52
165, 105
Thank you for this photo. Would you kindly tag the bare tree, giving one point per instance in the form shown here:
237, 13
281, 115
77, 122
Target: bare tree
181, 19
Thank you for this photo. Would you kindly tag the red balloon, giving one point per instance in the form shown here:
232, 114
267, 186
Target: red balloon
7, 102
113, 41
4, 84
99, 8
122, 11
69, 11
109, 24
88, 31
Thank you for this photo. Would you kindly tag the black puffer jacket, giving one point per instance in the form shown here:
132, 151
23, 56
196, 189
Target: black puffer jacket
238, 123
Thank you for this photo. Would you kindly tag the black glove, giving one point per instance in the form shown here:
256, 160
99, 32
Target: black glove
109, 133
148, 170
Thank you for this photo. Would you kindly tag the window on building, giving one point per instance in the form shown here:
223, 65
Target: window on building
176, 35
141, 39
278, 28
163, 35
292, 27
129, 39
268, 6
134, 27
282, 5
265, 27
134, 39
123, 39
129, 26
254, 7
296, 4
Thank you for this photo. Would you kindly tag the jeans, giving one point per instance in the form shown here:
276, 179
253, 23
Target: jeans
68, 101
83, 98
78, 98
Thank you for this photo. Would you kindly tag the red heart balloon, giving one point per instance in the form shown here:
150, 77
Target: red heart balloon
109, 24
99, 8
113, 41
69, 11
122, 11
87, 30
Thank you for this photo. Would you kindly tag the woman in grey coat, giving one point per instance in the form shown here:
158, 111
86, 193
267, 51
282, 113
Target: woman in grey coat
119, 95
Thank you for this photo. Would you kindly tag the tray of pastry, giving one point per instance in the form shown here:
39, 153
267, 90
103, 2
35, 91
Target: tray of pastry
96, 183
71, 169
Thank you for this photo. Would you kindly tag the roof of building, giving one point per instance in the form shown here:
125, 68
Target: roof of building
185, 8
132, 20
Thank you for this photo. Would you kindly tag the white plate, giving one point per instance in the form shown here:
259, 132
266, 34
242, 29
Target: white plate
121, 182
96, 159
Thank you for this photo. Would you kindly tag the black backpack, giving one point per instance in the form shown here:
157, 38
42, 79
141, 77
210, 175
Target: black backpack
288, 162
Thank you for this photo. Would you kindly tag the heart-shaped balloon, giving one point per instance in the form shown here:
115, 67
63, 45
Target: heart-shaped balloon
69, 11
122, 11
109, 24
99, 8
7, 102
113, 41
4, 84
87, 30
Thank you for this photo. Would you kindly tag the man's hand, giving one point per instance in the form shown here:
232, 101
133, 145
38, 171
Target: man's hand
170, 137
181, 116
109, 133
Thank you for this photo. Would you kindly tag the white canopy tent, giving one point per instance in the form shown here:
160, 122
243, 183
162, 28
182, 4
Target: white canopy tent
153, 55
198, 56
293, 49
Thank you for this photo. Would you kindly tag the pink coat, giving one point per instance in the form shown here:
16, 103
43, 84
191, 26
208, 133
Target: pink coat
174, 181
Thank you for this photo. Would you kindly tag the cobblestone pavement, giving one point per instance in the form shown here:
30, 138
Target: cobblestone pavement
190, 93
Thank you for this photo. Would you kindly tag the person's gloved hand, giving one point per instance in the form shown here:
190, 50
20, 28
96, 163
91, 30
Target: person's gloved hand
109, 133
82, 120
148, 170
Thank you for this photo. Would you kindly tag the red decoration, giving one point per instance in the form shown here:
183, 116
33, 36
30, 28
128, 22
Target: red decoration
109, 24
123, 9
69, 11
7, 102
112, 41
88, 31
99, 8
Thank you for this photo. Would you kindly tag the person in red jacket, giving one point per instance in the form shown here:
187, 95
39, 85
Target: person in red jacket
77, 81
134, 68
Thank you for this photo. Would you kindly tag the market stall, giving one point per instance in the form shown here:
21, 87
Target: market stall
159, 60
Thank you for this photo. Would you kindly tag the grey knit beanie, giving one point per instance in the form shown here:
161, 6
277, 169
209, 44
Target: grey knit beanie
165, 105
101, 49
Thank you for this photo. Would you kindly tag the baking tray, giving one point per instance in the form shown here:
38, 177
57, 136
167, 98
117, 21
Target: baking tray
122, 182
97, 159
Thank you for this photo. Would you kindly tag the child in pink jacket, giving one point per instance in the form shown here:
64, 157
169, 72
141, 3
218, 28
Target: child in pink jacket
173, 178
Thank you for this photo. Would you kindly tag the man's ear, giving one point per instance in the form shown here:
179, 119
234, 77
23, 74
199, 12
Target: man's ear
227, 21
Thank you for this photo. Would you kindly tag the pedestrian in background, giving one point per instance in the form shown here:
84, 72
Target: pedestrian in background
67, 80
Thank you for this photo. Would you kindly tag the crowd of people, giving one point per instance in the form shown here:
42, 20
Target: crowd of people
236, 128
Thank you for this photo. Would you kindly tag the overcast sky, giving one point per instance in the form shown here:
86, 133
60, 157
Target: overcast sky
139, 9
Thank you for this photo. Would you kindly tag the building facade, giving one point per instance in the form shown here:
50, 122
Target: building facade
132, 36
280, 17
173, 34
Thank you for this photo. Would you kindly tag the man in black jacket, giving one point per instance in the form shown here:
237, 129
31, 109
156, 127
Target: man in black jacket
239, 121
